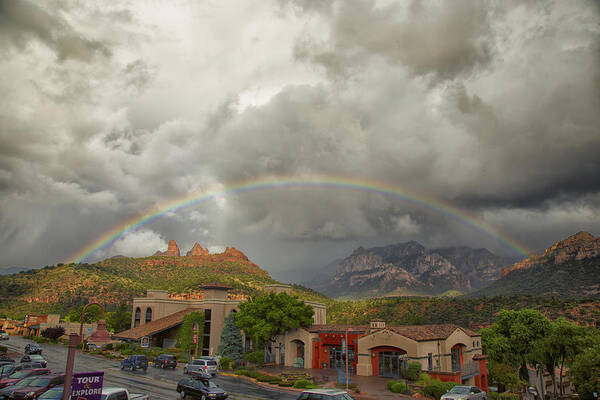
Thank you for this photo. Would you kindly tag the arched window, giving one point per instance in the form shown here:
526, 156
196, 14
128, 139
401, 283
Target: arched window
148, 314
138, 316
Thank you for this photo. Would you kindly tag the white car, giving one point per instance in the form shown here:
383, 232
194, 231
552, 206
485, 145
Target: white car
324, 394
208, 365
464, 393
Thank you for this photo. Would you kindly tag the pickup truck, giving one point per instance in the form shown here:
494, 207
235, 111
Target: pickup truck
112, 393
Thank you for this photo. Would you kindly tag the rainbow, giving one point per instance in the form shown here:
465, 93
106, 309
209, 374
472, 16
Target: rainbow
357, 185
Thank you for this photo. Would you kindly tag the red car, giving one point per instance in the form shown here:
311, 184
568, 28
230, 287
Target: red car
17, 376
38, 386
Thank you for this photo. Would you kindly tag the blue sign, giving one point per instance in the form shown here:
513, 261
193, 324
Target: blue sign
89, 330
145, 341
87, 386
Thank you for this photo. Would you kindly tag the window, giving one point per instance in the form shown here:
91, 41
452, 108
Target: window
148, 314
206, 338
136, 322
429, 361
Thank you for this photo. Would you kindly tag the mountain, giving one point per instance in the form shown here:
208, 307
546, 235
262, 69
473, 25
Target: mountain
411, 269
112, 281
568, 268
13, 270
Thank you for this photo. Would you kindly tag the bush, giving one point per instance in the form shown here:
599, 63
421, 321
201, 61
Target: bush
436, 388
389, 384
3, 349
413, 371
256, 357
53, 333
303, 384
286, 384
225, 363
494, 396
108, 346
508, 396
399, 387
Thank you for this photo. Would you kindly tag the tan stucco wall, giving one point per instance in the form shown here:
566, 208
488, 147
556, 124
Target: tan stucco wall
291, 347
383, 337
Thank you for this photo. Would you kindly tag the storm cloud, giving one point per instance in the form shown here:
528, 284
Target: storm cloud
109, 111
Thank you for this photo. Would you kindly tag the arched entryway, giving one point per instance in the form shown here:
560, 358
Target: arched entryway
298, 345
457, 352
388, 361
137, 317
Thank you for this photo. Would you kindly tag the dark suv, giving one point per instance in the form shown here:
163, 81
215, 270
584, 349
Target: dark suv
165, 361
201, 386
33, 348
134, 362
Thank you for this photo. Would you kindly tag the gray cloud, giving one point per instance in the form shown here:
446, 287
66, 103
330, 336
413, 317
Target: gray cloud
22, 21
491, 107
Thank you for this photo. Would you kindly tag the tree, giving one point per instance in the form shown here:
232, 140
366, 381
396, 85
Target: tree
119, 320
231, 340
186, 331
53, 333
503, 376
263, 317
92, 314
510, 340
585, 372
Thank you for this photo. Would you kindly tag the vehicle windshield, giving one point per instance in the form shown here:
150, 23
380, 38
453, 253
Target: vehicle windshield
19, 375
40, 382
52, 394
209, 384
459, 390
26, 381
211, 363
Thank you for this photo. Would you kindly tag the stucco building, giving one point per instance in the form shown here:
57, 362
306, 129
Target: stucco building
158, 316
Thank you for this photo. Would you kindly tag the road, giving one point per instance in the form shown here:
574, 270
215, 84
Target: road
159, 384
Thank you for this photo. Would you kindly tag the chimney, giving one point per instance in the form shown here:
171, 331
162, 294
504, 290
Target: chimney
376, 325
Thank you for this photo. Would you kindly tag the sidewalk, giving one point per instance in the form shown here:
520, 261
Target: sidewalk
371, 387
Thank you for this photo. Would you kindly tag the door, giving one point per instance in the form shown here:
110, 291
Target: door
455, 359
389, 364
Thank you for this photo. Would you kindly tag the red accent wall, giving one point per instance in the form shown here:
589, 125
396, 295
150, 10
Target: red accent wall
481, 380
375, 360
321, 349
446, 377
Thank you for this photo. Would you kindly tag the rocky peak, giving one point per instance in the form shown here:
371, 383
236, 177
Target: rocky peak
172, 250
580, 246
197, 250
234, 253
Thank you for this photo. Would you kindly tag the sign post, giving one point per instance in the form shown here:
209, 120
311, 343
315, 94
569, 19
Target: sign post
87, 386
145, 342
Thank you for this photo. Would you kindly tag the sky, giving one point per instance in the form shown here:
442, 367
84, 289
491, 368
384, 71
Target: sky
109, 109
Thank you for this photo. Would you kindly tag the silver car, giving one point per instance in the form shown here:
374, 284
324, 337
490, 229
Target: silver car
208, 365
464, 393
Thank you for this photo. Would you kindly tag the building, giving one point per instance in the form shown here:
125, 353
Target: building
34, 325
446, 351
158, 316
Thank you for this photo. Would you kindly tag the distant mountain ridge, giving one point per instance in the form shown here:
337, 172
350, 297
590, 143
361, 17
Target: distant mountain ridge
411, 269
116, 280
568, 268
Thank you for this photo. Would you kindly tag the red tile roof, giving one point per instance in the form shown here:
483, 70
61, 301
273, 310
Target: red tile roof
337, 328
430, 332
156, 326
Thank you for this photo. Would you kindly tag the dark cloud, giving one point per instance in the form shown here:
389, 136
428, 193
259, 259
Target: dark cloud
491, 107
22, 21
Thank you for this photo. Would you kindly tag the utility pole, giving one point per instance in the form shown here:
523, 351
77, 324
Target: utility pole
347, 347
73, 342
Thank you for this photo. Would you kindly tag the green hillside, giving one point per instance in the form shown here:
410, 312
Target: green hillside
59, 288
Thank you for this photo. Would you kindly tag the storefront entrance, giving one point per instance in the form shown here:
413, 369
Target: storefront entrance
337, 358
391, 363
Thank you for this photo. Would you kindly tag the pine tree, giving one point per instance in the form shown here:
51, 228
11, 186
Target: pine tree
231, 340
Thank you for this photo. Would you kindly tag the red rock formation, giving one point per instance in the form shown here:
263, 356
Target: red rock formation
232, 252
579, 246
172, 250
197, 250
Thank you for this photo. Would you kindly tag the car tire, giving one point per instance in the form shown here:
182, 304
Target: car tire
122, 367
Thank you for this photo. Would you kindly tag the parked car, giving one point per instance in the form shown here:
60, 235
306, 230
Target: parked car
464, 393
30, 358
134, 362
4, 335
38, 386
4, 358
7, 369
204, 364
112, 393
16, 376
6, 393
165, 361
324, 394
54, 393
201, 386
33, 348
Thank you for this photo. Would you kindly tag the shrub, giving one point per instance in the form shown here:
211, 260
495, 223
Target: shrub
399, 387
303, 384
256, 357
436, 388
3, 349
108, 346
286, 384
494, 396
389, 384
225, 363
413, 371
508, 396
